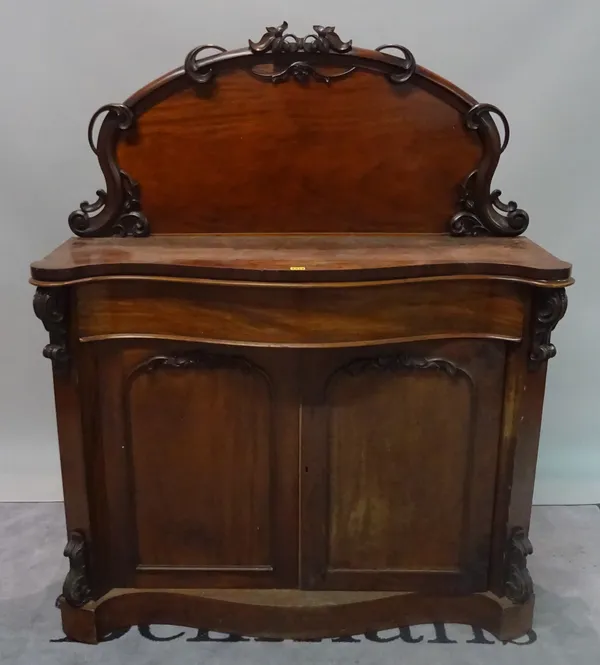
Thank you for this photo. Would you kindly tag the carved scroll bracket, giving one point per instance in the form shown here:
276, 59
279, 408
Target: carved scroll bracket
519, 585
116, 211
481, 210
76, 589
50, 306
550, 306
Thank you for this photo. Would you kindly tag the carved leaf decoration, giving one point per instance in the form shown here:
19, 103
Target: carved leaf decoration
550, 306
519, 585
198, 360
76, 588
130, 220
277, 40
50, 306
399, 361
271, 40
301, 71
329, 39
481, 212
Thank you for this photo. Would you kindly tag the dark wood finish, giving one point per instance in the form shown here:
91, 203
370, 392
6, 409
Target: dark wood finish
175, 423
303, 407
50, 306
77, 587
276, 39
270, 194
384, 437
194, 113
550, 307
519, 585
296, 614
357, 315
300, 258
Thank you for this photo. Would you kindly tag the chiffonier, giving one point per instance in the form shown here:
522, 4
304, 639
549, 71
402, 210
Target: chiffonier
299, 349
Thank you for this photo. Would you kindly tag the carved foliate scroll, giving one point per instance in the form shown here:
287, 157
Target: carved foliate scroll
399, 361
481, 212
550, 306
50, 306
116, 211
277, 40
76, 587
196, 360
519, 585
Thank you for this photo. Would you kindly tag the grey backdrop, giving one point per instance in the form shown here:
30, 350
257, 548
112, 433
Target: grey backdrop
535, 59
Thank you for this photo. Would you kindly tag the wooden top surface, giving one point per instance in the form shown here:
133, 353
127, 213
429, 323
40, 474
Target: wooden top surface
299, 258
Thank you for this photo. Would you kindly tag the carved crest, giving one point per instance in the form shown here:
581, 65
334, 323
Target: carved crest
321, 56
277, 40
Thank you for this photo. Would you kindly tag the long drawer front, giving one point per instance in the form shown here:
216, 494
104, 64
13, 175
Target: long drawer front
300, 316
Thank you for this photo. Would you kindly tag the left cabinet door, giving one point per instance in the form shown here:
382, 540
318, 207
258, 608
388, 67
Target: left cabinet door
194, 463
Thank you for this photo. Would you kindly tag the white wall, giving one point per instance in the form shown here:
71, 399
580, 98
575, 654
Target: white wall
536, 59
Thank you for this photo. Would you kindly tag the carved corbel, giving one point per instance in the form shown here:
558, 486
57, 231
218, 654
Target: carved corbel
76, 589
50, 306
550, 306
518, 583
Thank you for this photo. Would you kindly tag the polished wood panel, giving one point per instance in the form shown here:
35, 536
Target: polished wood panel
265, 163
72, 432
300, 258
327, 316
194, 499
201, 477
385, 435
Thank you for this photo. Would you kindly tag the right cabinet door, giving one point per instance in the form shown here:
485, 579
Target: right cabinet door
398, 464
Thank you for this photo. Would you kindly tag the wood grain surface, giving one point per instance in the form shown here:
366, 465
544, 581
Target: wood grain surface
299, 408
386, 434
327, 316
300, 258
292, 613
244, 155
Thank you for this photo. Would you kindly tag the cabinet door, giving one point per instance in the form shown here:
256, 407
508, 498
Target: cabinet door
398, 461
197, 458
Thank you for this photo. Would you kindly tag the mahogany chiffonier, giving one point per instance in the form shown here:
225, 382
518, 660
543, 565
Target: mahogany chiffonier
299, 349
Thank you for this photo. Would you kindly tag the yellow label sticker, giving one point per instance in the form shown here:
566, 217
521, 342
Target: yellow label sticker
297, 268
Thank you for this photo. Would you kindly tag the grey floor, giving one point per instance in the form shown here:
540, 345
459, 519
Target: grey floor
565, 568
